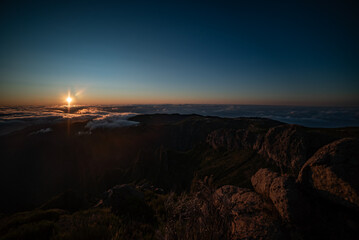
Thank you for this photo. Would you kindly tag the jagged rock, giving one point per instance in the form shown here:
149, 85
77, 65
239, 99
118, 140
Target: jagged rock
286, 145
291, 204
252, 215
262, 181
234, 139
289, 201
333, 172
222, 138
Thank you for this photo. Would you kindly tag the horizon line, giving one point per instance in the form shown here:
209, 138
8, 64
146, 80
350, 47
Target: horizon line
178, 104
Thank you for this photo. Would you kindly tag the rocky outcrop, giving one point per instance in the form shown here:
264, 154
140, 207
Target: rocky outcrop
262, 181
234, 139
291, 204
253, 218
289, 201
286, 145
333, 172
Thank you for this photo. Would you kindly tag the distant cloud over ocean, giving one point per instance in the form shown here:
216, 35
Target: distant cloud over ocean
43, 130
111, 120
17, 118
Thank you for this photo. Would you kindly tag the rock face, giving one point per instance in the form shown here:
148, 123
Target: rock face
286, 145
252, 214
290, 203
232, 139
333, 172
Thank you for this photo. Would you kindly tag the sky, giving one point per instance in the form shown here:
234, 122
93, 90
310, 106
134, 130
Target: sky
179, 52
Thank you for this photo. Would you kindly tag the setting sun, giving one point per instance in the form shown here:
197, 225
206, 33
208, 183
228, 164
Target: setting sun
69, 99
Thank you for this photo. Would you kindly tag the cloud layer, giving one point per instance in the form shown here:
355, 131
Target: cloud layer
16, 118
43, 130
111, 120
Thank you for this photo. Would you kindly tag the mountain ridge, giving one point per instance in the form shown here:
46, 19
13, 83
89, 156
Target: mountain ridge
170, 153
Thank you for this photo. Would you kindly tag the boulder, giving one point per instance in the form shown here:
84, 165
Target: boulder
291, 204
252, 215
287, 198
332, 172
262, 181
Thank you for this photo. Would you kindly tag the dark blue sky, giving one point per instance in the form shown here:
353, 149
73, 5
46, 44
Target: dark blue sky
179, 52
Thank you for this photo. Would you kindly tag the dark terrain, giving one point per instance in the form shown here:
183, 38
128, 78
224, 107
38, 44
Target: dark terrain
262, 179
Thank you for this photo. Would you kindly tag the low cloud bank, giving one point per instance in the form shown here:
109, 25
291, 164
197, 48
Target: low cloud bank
112, 120
44, 130
111, 116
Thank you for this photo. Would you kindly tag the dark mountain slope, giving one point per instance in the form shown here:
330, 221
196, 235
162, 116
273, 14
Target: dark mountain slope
165, 150
253, 164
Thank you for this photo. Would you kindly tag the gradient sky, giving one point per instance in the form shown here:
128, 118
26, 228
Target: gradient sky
129, 52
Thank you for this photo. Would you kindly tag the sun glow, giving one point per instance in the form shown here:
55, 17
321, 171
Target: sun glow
69, 100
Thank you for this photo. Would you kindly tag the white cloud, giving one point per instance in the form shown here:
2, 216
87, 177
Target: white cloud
44, 130
16, 118
112, 120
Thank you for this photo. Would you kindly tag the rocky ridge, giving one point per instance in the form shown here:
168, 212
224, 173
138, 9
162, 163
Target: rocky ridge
288, 146
328, 178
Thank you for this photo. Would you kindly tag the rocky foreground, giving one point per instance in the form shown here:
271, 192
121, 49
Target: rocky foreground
321, 203
314, 198
194, 177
